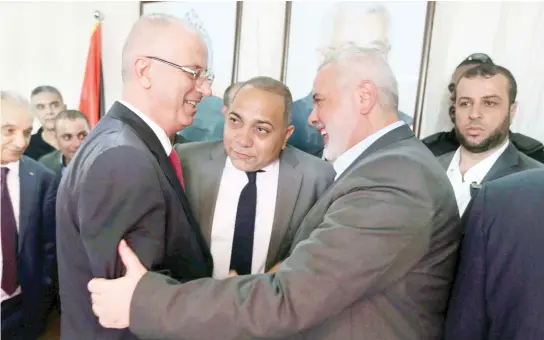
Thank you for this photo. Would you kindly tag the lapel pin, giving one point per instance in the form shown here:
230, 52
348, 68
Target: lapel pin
31, 173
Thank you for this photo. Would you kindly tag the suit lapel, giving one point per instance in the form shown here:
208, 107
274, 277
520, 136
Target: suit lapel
27, 199
393, 136
504, 164
289, 183
208, 186
119, 111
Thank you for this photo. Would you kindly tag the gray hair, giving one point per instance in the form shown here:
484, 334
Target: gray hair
151, 24
46, 89
361, 7
367, 64
273, 86
14, 97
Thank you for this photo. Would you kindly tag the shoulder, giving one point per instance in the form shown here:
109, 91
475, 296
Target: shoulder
49, 157
36, 168
191, 149
527, 162
311, 165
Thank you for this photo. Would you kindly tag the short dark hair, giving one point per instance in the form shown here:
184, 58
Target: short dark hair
46, 88
229, 93
272, 85
490, 70
72, 115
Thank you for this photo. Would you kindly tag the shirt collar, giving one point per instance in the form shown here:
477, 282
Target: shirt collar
159, 132
272, 166
478, 172
13, 168
348, 157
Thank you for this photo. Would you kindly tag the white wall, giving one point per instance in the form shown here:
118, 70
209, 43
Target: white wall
511, 33
47, 43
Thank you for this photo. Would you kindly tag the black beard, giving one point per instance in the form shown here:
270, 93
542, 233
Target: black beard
496, 138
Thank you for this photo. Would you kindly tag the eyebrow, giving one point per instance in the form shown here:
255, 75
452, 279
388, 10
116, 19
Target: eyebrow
258, 121
492, 97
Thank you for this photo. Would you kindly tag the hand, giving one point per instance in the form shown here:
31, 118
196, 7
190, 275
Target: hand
111, 298
275, 268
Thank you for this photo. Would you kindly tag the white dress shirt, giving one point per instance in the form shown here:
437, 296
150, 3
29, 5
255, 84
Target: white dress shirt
461, 184
14, 188
348, 157
159, 132
224, 218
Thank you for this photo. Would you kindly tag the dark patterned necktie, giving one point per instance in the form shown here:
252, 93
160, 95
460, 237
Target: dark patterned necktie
9, 239
244, 227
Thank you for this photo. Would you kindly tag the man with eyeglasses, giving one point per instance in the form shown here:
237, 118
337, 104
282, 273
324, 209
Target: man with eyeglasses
445, 142
125, 183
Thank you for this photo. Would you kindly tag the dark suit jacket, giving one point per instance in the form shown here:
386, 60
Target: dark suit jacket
373, 259
53, 162
121, 185
510, 162
498, 293
444, 142
36, 248
302, 180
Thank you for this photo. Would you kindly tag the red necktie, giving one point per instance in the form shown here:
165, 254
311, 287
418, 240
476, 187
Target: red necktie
174, 159
9, 239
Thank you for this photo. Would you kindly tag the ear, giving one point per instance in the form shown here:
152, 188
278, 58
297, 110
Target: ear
141, 69
367, 96
513, 110
288, 134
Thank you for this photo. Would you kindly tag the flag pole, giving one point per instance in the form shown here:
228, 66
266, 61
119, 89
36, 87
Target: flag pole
98, 15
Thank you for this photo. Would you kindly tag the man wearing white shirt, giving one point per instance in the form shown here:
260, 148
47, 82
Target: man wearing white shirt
28, 226
126, 183
287, 181
485, 104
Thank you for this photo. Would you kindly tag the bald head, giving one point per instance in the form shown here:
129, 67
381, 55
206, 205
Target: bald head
158, 35
16, 119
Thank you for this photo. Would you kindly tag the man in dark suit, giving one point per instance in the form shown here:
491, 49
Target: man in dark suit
71, 128
28, 226
125, 183
485, 104
498, 290
374, 258
445, 142
288, 182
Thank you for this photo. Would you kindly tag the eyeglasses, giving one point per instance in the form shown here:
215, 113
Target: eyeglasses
199, 75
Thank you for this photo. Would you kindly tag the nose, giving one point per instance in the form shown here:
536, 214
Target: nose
20, 141
77, 143
244, 139
205, 88
475, 112
312, 118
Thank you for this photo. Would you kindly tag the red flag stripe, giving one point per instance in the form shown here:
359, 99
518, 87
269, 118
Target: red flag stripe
91, 90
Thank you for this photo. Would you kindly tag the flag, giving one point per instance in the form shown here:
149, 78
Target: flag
91, 102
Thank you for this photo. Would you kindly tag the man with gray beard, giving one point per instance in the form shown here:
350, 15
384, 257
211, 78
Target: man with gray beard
485, 103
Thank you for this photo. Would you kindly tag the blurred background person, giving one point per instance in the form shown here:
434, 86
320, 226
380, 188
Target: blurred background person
47, 103
71, 128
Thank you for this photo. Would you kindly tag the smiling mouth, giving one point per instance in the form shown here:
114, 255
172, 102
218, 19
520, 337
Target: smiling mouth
192, 103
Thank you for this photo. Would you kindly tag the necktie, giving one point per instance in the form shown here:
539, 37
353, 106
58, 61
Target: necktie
242, 243
9, 239
174, 160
